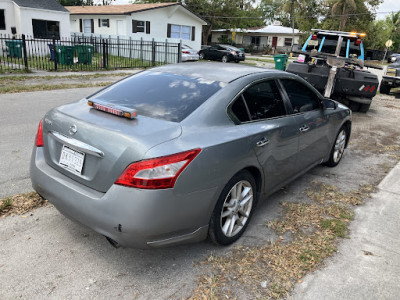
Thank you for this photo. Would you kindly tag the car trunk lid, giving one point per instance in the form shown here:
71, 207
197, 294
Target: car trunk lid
94, 147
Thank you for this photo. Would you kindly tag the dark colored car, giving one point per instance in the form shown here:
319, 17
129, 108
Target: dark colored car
224, 53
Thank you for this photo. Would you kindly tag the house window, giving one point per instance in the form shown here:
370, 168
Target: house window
87, 26
44, 29
105, 22
255, 40
140, 26
180, 32
288, 42
2, 20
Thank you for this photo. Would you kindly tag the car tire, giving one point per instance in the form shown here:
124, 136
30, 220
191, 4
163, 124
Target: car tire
338, 147
384, 89
364, 107
201, 55
230, 209
236, 61
224, 59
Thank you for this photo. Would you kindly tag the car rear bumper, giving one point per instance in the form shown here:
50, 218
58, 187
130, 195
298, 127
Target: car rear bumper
131, 217
391, 81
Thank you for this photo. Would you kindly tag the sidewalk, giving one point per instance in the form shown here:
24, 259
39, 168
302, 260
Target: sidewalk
366, 266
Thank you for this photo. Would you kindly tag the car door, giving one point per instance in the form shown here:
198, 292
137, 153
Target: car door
272, 133
312, 123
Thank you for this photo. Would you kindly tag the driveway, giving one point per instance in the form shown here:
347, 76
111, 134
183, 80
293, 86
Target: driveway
45, 255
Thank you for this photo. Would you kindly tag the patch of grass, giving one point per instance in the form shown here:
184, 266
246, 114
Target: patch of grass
7, 202
337, 227
266, 60
11, 79
46, 87
20, 204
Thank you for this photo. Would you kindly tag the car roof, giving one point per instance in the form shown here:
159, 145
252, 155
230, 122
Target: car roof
214, 71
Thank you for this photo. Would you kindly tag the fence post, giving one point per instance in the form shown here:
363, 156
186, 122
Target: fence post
180, 52
104, 54
153, 53
166, 51
25, 54
55, 54
141, 49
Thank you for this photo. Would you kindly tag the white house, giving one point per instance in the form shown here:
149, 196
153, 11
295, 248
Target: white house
38, 18
160, 21
275, 37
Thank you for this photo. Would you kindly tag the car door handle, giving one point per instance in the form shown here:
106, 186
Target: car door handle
264, 141
304, 128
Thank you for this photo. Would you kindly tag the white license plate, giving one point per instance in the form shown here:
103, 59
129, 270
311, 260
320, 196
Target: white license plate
72, 160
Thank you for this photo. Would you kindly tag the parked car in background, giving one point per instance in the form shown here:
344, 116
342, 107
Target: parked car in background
189, 54
393, 57
224, 53
180, 152
391, 78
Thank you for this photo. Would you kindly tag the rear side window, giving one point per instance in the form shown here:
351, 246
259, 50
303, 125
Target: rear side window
301, 97
260, 101
164, 96
354, 50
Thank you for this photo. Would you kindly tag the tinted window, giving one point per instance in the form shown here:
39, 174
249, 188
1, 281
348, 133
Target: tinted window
301, 97
160, 95
260, 101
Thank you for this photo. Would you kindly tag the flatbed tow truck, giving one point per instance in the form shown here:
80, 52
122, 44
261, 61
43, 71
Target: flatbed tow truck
333, 62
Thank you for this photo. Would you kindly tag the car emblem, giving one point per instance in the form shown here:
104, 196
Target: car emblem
73, 129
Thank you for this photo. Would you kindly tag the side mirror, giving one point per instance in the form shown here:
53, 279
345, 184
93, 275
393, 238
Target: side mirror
329, 104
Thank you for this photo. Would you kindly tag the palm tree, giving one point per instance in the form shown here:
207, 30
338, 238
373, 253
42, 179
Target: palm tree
342, 8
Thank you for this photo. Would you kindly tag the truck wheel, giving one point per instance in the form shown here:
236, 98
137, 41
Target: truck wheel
384, 89
354, 106
364, 107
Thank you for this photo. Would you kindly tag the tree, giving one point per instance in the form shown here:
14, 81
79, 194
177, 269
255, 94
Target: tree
84, 2
221, 13
343, 8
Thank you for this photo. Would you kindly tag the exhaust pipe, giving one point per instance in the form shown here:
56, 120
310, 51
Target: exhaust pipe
112, 242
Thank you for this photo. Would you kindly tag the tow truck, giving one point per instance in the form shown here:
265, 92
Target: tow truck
333, 62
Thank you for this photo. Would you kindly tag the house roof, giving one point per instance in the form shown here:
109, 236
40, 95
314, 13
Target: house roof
270, 29
116, 9
41, 4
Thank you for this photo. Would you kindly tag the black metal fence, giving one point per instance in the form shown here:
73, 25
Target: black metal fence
87, 53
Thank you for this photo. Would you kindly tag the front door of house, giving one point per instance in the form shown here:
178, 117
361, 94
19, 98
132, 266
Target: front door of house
274, 41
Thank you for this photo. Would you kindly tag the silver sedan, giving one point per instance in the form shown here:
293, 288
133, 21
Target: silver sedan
179, 153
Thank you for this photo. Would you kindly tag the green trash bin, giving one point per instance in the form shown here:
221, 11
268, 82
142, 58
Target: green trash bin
65, 54
14, 48
85, 53
280, 61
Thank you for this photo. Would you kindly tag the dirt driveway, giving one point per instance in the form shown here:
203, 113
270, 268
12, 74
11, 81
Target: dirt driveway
45, 255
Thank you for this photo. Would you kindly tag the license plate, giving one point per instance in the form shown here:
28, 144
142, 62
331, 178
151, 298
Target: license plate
72, 160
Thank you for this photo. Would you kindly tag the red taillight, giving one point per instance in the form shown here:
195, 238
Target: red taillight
157, 173
185, 52
314, 37
39, 135
358, 42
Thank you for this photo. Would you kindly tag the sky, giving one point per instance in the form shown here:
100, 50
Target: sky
386, 6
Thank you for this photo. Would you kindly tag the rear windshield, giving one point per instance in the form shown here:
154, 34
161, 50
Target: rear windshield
160, 95
329, 45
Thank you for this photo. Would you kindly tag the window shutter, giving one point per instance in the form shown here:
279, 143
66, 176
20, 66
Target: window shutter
169, 30
147, 27
80, 25
134, 26
108, 22
193, 33
92, 25
99, 22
